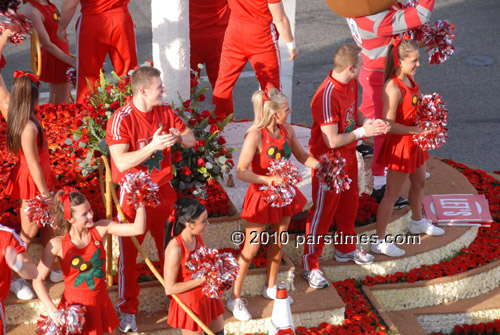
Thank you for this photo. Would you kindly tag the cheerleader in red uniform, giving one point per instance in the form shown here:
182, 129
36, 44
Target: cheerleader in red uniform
80, 247
182, 238
270, 137
25, 138
404, 159
55, 53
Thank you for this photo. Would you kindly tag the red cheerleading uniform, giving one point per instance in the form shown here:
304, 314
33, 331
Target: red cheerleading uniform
255, 209
104, 27
20, 184
8, 238
372, 34
130, 126
84, 272
53, 69
250, 36
333, 103
207, 25
399, 152
207, 309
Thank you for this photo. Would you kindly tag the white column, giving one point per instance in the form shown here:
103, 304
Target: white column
170, 25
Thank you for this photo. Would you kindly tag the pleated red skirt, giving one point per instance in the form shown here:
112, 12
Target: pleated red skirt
400, 153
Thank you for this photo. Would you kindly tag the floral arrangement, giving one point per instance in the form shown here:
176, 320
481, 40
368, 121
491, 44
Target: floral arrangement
209, 158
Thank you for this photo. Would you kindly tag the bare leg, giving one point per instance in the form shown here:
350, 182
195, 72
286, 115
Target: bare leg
59, 93
28, 229
417, 180
218, 324
252, 234
274, 250
395, 182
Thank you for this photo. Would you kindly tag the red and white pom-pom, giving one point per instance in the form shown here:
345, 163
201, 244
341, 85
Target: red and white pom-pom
71, 76
219, 270
17, 23
419, 33
432, 116
139, 188
282, 195
331, 173
72, 317
38, 210
440, 42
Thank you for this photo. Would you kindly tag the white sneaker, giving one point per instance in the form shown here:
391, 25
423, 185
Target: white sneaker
270, 293
127, 323
21, 289
316, 279
239, 308
425, 227
56, 276
389, 249
357, 256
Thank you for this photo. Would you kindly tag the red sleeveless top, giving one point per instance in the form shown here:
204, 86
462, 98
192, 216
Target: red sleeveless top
399, 152
271, 149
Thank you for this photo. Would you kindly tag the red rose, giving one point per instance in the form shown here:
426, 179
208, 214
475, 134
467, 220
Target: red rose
223, 150
177, 156
192, 122
85, 138
205, 114
98, 120
187, 103
201, 162
186, 171
115, 105
214, 128
201, 97
221, 140
78, 123
90, 108
198, 144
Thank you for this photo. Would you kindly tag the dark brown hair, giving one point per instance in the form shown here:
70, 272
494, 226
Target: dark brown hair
23, 100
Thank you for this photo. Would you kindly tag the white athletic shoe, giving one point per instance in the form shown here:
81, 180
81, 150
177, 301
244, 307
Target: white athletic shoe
316, 279
270, 293
127, 323
357, 256
425, 227
389, 249
239, 309
21, 289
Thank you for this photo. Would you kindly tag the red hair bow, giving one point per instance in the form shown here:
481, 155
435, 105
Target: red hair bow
64, 198
395, 48
171, 218
265, 97
33, 77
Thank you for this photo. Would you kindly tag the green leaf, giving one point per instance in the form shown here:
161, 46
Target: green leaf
224, 123
222, 160
208, 165
90, 282
95, 256
99, 263
98, 273
80, 279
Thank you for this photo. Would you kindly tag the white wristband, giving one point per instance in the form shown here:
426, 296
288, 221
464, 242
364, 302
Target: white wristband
291, 45
18, 265
359, 133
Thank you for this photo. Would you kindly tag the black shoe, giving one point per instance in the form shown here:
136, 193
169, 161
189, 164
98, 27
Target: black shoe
379, 194
365, 150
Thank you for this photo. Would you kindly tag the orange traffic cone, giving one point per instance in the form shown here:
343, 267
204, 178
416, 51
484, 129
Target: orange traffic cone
281, 319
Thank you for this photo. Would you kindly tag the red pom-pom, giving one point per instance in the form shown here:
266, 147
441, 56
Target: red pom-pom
71, 76
17, 23
282, 195
440, 42
218, 269
432, 116
331, 174
139, 188
38, 210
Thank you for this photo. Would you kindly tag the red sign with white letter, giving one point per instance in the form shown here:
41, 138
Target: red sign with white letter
457, 209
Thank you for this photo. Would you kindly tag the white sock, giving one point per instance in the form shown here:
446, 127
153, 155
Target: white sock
418, 222
379, 182
380, 240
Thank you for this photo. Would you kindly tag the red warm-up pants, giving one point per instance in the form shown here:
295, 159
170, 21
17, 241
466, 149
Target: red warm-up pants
372, 106
128, 288
244, 42
327, 207
206, 48
101, 34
